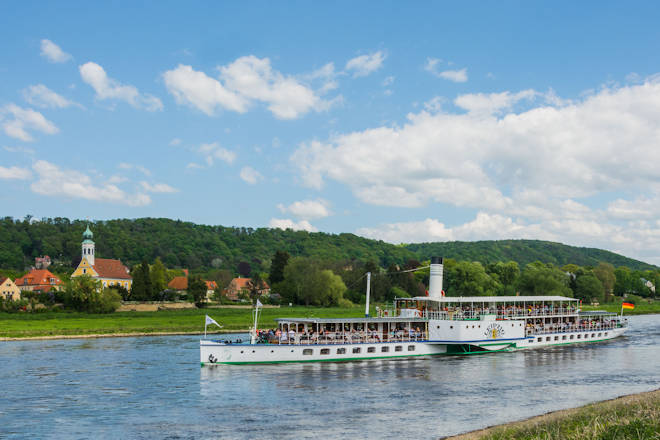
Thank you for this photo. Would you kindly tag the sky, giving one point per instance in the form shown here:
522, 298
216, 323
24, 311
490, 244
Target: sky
399, 121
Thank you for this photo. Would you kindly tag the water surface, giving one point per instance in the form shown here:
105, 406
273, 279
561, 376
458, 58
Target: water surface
153, 387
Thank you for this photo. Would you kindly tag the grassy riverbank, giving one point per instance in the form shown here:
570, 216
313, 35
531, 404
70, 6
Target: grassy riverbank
629, 417
641, 308
22, 325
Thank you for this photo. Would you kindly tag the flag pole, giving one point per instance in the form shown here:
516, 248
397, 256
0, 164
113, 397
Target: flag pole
205, 324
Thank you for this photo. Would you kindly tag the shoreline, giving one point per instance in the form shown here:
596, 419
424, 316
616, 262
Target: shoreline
553, 416
115, 335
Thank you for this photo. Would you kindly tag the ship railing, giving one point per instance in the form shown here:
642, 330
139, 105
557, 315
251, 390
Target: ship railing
571, 329
474, 315
352, 338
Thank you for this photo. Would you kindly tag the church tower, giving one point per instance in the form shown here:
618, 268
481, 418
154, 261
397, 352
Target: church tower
88, 246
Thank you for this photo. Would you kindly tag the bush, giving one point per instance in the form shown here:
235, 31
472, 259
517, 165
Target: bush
346, 303
104, 301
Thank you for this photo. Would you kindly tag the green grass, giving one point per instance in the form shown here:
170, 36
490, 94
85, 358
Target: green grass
18, 325
641, 308
629, 417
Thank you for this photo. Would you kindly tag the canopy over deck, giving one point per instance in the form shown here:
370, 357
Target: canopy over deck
491, 299
349, 320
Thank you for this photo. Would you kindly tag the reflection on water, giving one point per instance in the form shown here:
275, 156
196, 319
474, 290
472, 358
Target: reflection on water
153, 387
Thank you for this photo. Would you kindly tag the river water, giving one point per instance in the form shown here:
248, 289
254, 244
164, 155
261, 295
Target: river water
153, 387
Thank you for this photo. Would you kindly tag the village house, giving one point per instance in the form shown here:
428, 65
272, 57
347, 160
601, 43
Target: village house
9, 290
242, 285
109, 272
180, 284
42, 262
38, 280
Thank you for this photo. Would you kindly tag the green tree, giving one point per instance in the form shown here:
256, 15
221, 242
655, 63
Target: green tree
141, 289
78, 292
605, 273
543, 279
158, 273
279, 262
197, 289
305, 282
589, 288
470, 279
255, 286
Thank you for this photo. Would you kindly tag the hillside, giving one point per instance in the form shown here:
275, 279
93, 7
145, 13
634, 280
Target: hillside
198, 247
524, 252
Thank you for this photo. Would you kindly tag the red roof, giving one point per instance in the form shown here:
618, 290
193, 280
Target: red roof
211, 285
243, 283
178, 283
38, 277
2, 279
111, 269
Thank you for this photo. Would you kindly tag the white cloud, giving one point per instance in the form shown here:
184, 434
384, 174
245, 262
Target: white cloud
364, 65
388, 81
14, 173
432, 65
242, 83
175, 142
55, 181
131, 166
16, 121
158, 188
199, 90
213, 151
109, 88
538, 167
53, 53
285, 223
42, 96
307, 209
250, 175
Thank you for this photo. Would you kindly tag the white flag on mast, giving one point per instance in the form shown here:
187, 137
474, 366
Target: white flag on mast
210, 320
259, 303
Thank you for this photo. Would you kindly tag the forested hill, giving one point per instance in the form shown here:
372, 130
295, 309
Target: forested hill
185, 244
524, 252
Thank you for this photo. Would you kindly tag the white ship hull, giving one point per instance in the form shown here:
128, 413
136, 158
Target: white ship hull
216, 352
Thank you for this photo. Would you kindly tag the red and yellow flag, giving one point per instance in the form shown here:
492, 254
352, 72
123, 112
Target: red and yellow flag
626, 305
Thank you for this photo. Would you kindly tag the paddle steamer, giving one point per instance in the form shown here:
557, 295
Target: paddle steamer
423, 326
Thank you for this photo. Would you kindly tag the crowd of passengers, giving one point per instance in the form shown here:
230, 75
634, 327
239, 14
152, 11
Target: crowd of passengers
554, 327
510, 310
277, 336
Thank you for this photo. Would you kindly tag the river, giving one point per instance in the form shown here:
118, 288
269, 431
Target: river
153, 387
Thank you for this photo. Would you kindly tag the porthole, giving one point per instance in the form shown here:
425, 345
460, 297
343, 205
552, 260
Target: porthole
556, 338
252, 351
272, 351
579, 336
593, 335
605, 333
451, 326
600, 334
241, 351
571, 336
547, 339
438, 326
512, 325
563, 338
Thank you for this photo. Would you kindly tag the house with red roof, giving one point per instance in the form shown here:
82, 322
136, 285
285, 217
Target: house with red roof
38, 280
109, 272
9, 290
242, 285
180, 284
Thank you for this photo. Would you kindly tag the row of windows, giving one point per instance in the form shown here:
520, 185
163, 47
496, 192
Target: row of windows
570, 337
357, 350
479, 326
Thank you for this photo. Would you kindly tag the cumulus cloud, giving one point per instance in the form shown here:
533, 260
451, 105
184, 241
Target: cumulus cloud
250, 175
53, 53
307, 209
244, 82
51, 180
41, 96
14, 173
109, 88
213, 151
364, 65
285, 223
540, 166
433, 66
131, 166
16, 121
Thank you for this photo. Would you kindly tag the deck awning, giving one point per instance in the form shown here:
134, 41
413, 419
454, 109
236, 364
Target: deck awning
491, 299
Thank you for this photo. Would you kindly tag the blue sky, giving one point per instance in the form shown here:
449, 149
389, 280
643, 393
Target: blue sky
407, 122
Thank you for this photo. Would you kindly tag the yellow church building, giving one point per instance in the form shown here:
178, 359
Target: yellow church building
108, 272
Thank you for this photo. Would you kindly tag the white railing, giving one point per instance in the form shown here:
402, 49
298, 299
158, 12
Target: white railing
467, 315
348, 338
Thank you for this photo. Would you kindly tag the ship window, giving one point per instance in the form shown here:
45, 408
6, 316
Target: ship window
451, 326
547, 338
539, 340
512, 325
398, 348
605, 333
586, 336
600, 334
241, 351
385, 349
563, 338
472, 326
411, 348
307, 352
325, 351
341, 350
593, 335
579, 336
371, 350
479, 326
571, 336
438, 326
356, 350
556, 338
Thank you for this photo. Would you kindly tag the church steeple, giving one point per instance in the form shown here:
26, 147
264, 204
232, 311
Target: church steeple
88, 246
